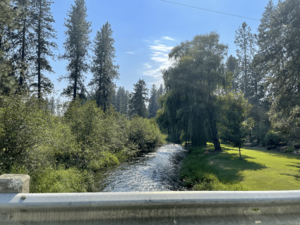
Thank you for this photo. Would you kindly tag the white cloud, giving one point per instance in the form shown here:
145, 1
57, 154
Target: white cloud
161, 47
168, 38
148, 66
159, 61
132, 53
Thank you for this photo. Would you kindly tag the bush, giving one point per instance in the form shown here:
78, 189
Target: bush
62, 180
145, 133
272, 138
60, 154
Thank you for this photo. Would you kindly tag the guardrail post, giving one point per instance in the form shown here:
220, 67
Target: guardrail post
14, 183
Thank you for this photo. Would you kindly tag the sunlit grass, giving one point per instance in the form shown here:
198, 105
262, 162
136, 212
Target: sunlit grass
258, 170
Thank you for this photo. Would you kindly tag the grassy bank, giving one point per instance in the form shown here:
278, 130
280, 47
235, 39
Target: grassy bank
257, 170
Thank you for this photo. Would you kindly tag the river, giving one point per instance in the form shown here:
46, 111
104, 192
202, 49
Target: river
154, 171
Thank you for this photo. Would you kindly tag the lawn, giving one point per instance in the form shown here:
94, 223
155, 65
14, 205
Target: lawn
258, 170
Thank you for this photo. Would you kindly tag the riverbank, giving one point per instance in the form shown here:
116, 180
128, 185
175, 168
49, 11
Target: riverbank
257, 170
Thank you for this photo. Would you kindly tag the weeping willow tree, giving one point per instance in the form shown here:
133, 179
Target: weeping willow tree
188, 105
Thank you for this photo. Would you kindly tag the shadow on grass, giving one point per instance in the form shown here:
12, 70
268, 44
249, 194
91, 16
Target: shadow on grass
297, 177
260, 149
296, 165
225, 167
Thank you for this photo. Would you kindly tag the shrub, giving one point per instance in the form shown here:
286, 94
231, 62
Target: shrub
272, 138
61, 180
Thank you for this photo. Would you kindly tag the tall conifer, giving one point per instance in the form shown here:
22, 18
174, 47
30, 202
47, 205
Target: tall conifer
103, 68
44, 34
137, 102
245, 42
76, 48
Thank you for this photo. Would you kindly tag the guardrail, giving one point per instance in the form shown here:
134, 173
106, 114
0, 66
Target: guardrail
165, 208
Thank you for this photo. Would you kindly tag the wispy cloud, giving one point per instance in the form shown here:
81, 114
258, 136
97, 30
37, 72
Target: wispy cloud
168, 38
148, 66
159, 61
132, 53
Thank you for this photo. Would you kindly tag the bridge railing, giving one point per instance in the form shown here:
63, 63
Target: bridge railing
186, 208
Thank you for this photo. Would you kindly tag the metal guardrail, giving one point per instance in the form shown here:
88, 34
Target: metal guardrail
153, 208
208, 207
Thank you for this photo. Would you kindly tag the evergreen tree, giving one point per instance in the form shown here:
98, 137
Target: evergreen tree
76, 49
279, 43
138, 99
121, 100
153, 102
44, 33
103, 68
8, 16
23, 40
231, 66
160, 90
245, 43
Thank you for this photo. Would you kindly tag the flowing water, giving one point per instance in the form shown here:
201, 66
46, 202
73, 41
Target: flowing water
155, 171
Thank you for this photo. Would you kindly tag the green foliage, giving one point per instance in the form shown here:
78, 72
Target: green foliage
61, 180
138, 99
191, 84
103, 69
234, 121
145, 133
76, 49
272, 138
279, 60
61, 153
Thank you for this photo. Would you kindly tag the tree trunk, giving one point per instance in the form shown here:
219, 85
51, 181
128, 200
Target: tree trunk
213, 125
240, 153
214, 132
22, 74
39, 52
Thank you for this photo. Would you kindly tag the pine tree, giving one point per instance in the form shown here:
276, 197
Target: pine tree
231, 66
279, 59
23, 40
138, 99
44, 33
8, 17
76, 49
153, 101
245, 42
103, 68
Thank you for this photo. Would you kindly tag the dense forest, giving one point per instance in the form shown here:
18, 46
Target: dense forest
251, 98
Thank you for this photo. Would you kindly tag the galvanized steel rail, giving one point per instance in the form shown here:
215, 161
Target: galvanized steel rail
165, 208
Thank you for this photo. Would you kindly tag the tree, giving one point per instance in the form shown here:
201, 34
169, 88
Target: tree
138, 99
233, 125
231, 66
22, 38
8, 15
76, 48
153, 102
44, 33
190, 90
121, 100
279, 41
245, 42
103, 68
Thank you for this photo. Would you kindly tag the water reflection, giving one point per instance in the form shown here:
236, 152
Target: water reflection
156, 171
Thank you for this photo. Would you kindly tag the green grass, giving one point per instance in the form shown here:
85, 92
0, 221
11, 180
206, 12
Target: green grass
257, 170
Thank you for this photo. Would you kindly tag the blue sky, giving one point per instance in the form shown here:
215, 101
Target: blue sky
146, 30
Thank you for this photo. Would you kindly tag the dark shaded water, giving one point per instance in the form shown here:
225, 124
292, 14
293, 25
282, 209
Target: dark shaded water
155, 171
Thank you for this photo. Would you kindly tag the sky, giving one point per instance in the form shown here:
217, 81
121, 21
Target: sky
146, 30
